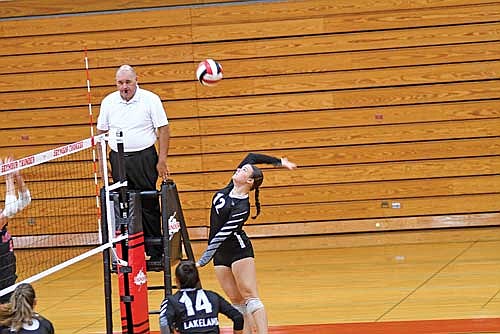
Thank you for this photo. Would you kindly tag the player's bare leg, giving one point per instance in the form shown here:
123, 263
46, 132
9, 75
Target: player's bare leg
228, 283
246, 278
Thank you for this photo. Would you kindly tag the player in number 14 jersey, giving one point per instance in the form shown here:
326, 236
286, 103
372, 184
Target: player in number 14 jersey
193, 310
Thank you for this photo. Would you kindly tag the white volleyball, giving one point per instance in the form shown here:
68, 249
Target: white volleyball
209, 72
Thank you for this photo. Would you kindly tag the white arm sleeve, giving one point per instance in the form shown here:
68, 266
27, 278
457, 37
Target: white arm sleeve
11, 205
24, 199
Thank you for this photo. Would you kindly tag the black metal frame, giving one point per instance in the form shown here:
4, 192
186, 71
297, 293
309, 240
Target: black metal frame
167, 205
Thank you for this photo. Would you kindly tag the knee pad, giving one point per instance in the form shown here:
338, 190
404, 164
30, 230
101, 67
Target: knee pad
241, 307
254, 304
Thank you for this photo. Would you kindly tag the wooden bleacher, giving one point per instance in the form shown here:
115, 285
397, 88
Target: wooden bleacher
390, 109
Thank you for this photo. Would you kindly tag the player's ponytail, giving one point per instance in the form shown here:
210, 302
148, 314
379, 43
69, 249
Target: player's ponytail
258, 178
22, 302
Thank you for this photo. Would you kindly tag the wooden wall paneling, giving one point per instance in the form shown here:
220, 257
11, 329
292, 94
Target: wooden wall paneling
339, 174
318, 8
88, 22
88, 223
369, 172
166, 72
369, 225
331, 192
274, 103
96, 40
322, 156
348, 42
373, 97
74, 60
364, 59
355, 191
173, 56
352, 135
369, 209
346, 117
33, 7
457, 12
99, 77
329, 156
279, 140
355, 79
78, 96
338, 23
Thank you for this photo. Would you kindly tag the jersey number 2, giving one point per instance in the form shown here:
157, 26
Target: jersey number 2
201, 303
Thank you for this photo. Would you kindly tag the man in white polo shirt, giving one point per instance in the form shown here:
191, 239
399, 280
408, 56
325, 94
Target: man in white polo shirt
140, 115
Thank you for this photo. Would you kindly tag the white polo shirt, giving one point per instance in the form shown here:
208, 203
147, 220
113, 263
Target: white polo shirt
138, 119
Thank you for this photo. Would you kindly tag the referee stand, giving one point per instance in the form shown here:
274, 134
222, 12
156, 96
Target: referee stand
127, 260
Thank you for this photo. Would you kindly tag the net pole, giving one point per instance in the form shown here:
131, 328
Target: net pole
106, 186
123, 199
108, 303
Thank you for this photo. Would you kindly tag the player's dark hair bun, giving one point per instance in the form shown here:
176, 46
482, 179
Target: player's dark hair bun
187, 274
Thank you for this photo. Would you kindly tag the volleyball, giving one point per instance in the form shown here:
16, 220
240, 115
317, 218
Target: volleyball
209, 72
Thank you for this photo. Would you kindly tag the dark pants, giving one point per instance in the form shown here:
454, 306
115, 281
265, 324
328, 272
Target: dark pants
142, 175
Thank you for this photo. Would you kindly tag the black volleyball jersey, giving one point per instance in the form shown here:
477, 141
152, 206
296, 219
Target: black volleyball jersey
8, 275
228, 213
195, 311
40, 325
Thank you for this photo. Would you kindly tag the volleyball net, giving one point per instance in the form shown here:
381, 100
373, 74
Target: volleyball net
54, 218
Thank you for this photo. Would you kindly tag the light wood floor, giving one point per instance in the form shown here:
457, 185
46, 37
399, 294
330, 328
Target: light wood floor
450, 274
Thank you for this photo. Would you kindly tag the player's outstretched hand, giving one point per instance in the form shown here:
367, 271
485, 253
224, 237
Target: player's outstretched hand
288, 164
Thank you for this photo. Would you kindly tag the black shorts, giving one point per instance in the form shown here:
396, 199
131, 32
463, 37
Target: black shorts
236, 247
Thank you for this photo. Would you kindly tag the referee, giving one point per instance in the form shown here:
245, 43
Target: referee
140, 115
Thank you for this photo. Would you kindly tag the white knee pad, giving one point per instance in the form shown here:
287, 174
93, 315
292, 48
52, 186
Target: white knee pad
254, 304
241, 307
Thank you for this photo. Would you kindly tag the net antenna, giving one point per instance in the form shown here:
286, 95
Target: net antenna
58, 221
101, 140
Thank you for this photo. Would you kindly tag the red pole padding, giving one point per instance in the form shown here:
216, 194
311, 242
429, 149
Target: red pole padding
138, 287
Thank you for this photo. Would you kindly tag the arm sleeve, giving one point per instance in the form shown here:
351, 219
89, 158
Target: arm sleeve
14, 204
255, 158
167, 316
102, 119
237, 216
232, 313
11, 205
24, 199
158, 113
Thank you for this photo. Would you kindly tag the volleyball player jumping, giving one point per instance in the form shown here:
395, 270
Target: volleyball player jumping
228, 244
13, 204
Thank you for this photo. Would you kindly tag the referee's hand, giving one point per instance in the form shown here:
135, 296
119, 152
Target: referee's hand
163, 170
